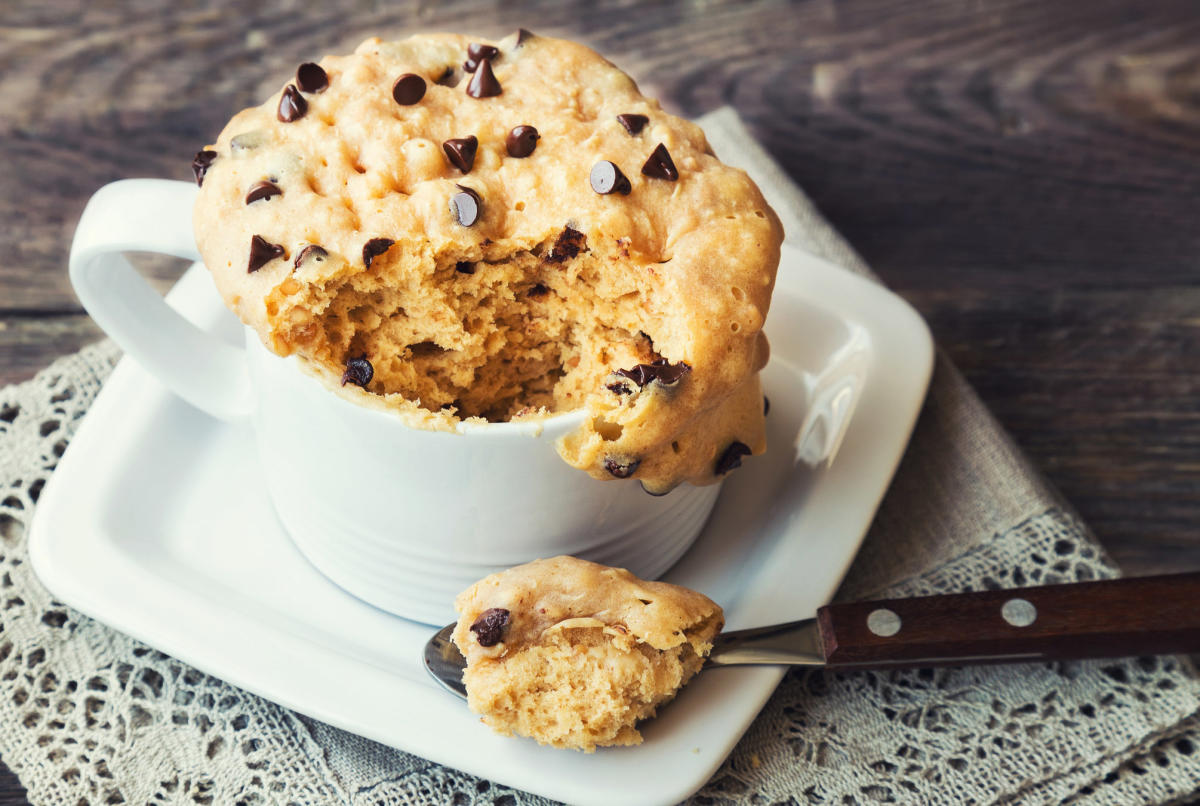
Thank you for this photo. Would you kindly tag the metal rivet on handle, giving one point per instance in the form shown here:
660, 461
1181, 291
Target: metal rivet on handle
1019, 612
883, 622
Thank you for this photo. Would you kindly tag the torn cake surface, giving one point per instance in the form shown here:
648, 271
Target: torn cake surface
514, 235
574, 654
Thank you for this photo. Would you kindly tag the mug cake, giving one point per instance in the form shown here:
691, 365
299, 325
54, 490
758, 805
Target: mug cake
457, 229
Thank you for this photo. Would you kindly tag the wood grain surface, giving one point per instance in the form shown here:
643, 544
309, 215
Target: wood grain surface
1026, 173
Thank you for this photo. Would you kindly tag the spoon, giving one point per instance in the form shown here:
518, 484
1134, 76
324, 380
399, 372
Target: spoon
1112, 618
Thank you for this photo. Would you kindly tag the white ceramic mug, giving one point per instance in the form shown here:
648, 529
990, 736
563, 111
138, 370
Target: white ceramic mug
400, 517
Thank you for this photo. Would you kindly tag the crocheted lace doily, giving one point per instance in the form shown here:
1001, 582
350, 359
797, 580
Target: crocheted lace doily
90, 716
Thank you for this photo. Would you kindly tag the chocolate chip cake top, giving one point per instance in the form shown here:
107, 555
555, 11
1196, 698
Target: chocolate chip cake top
495, 229
516, 606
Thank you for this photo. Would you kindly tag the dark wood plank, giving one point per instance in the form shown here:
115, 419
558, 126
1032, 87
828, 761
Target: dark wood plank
1025, 173
29, 343
11, 791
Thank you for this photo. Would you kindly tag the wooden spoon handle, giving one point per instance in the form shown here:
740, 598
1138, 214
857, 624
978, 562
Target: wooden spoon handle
1114, 618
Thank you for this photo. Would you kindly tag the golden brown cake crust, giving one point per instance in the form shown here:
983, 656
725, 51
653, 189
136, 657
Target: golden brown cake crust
574, 654
533, 305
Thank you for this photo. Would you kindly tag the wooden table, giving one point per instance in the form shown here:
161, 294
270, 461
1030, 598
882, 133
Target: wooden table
1026, 173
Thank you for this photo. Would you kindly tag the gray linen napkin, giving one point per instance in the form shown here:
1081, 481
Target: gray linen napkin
88, 715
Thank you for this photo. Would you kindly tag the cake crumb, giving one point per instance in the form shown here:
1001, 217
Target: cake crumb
585, 654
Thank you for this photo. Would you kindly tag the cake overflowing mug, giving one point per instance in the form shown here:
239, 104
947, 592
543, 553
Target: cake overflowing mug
514, 293
401, 517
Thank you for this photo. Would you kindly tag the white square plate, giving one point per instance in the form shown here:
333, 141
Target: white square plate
157, 523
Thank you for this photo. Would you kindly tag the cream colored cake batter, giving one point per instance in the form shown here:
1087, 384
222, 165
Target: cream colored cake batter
391, 218
575, 654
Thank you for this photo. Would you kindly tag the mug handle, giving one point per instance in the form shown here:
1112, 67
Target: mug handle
153, 215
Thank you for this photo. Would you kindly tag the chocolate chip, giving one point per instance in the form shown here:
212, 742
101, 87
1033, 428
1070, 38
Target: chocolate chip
262, 190
408, 89
446, 79
607, 178
466, 206
461, 152
766, 406
732, 457
539, 290
358, 371
484, 84
660, 371
262, 252
619, 469
490, 626
476, 52
374, 248
311, 77
311, 252
659, 165
523, 37
292, 105
464, 267
201, 163
618, 388
521, 141
633, 123
569, 244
